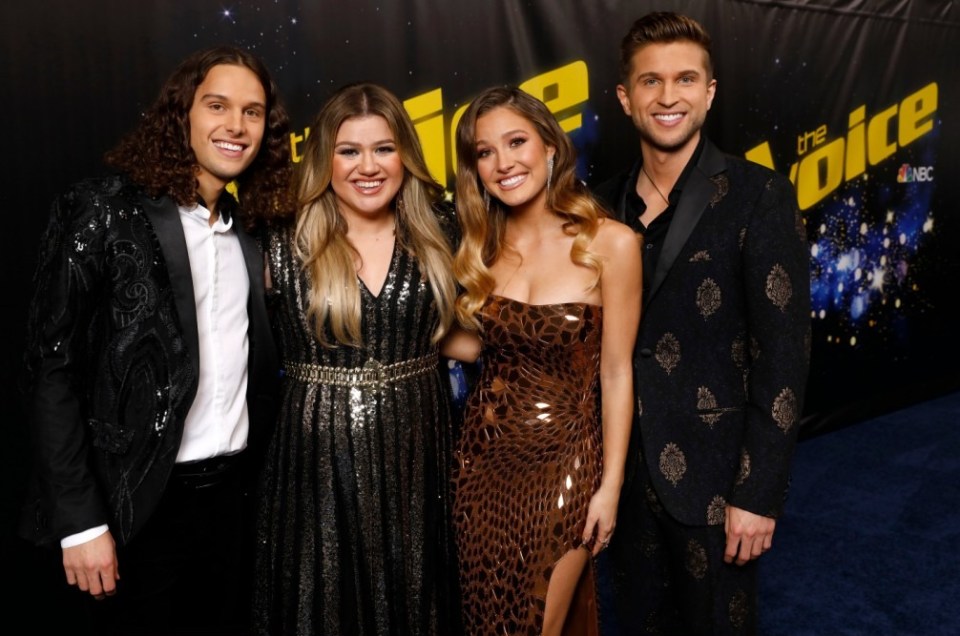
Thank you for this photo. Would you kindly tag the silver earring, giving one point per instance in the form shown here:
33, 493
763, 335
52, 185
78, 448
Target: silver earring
549, 172
486, 199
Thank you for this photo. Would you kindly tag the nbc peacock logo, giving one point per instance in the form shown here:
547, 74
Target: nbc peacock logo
914, 174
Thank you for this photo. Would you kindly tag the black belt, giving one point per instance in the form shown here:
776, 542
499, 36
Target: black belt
207, 472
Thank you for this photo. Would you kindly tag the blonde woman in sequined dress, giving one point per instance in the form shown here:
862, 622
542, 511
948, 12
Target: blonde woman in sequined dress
354, 534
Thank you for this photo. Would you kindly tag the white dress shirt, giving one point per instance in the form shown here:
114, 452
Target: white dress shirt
217, 423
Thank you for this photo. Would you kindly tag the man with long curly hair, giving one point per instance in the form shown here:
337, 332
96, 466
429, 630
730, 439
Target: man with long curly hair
150, 365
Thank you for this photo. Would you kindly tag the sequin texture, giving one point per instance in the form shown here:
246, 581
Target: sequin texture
529, 459
354, 534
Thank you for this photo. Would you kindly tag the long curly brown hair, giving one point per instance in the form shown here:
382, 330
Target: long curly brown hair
157, 153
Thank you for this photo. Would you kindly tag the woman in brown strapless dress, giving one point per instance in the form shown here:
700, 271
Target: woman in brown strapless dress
550, 306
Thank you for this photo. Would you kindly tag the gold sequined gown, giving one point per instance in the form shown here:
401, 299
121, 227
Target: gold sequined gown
529, 460
354, 533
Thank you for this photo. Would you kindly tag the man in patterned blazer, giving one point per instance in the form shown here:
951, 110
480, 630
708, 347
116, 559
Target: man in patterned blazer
151, 367
722, 352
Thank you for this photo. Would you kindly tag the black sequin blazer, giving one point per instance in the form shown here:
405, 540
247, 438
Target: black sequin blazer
112, 359
722, 353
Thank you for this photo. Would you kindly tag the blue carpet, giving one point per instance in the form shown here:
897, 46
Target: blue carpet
870, 539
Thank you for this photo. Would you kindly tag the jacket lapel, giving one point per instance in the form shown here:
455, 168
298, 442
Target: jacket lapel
165, 218
697, 192
253, 259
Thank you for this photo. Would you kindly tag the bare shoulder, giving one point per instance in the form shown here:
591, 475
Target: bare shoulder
615, 238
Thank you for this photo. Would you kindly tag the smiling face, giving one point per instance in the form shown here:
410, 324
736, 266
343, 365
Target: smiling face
367, 169
227, 121
668, 94
511, 158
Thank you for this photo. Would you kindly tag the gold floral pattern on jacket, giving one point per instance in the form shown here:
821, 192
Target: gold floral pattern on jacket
717, 511
723, 187
673, 463
703, 256
707, 401
744, 473
696, 559
668, 352
785, 411
708, 297
778, 288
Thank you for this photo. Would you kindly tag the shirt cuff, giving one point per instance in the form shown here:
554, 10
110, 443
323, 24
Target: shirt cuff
83, 537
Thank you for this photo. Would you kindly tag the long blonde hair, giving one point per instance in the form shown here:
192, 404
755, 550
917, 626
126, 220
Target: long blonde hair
321, 231
483, 226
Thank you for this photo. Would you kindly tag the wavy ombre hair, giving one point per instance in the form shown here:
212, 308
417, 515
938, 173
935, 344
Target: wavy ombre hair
483, 228
321, 231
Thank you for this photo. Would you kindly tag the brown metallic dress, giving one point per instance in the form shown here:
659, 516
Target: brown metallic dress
529, 462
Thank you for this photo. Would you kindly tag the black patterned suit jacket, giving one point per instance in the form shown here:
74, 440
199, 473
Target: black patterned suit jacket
112, 359
722, 353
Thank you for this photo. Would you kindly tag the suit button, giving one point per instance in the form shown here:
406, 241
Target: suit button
645, 353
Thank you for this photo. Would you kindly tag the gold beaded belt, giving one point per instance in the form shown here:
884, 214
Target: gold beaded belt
373, 373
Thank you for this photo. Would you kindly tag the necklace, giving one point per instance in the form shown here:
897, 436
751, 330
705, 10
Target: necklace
650, 179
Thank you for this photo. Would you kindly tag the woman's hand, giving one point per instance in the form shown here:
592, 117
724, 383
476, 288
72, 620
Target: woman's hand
601, 519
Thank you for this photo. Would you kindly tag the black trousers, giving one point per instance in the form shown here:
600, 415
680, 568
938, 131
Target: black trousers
670, 579
189, 571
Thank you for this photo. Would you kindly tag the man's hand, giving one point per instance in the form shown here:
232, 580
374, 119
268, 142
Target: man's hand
92, 566
748, 535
